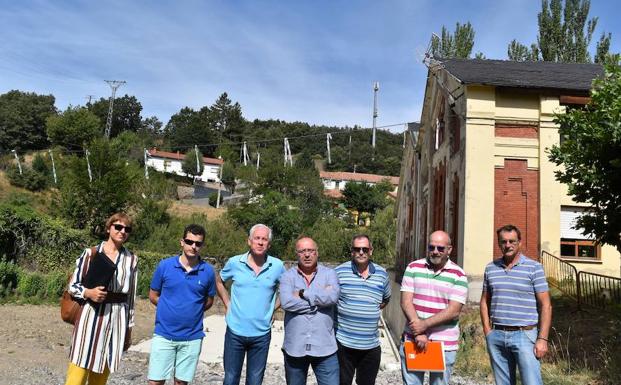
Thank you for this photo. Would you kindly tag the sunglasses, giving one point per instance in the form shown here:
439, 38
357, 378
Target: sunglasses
440, 248
118, 227
190, 242
360, 250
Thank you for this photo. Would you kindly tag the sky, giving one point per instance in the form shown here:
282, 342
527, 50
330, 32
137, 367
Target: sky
309, 61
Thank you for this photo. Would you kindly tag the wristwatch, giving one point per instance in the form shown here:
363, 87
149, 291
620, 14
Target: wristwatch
301, 293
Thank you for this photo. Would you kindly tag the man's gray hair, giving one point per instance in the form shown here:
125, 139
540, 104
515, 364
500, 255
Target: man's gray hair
258, 226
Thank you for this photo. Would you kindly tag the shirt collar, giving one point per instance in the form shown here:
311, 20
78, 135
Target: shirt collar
244, 259
354, 268
501, 261
429, 266
199, 265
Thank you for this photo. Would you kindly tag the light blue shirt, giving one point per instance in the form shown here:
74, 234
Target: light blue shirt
252, 295
309, 322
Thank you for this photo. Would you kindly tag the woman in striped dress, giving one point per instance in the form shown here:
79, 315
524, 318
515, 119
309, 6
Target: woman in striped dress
102, 332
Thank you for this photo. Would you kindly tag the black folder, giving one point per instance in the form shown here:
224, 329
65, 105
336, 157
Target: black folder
100, 271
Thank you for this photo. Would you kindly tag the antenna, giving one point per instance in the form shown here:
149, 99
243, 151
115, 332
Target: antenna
375, 89
114, 85
429, 60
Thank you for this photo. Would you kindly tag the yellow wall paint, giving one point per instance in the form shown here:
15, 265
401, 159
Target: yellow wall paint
478, 219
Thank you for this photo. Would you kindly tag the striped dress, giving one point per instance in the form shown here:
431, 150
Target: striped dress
432, 293
99, 334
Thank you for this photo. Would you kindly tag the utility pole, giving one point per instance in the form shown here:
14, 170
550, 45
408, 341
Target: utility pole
114, 85
375, 89
89, 98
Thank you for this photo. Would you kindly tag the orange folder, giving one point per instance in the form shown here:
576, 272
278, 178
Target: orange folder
431, 360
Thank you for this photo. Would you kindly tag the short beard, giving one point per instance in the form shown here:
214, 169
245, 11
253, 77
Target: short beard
435, 260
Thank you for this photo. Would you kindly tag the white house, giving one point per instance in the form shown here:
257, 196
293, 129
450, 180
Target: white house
170, 162
334, 182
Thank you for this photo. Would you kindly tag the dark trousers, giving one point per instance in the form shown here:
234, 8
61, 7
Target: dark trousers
364, 362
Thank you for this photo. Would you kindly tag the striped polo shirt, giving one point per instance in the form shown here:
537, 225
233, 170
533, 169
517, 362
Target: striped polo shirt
358, 311
432, 292
513, 291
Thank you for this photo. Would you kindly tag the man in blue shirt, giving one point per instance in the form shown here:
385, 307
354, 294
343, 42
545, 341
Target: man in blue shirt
182, 288
255, 276
515, 311
365, 291
308, 293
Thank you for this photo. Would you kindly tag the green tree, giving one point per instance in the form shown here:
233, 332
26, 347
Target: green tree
519, 52
125, 114
226, 118
191, 166
274, 210
383, 232
590, 156
454, 45
73, 128
22, 120
565, 33
364, 198
602, 51
88, 204
188, 128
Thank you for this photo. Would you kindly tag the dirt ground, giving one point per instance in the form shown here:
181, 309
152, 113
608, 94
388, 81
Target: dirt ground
34, 336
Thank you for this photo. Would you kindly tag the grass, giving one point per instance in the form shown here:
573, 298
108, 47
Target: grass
584, 346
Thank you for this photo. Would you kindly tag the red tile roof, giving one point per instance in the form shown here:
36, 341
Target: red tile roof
358, 177
333, 193
180, 156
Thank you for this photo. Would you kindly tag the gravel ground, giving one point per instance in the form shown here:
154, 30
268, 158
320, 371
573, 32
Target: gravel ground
34, 348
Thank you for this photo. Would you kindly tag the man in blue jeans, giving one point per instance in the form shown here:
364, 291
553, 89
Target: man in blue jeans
515, 311
308, 295
182, 288
255, 276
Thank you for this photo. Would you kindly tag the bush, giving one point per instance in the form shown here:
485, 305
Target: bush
9, 273
147, 262
55, 284
37, 241
31, 284
29, 179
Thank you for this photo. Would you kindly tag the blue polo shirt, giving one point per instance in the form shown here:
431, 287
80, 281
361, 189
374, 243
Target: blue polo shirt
252, 295
358, 309
514, 291
180, 309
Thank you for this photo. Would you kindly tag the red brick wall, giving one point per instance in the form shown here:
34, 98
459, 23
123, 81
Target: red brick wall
516, 201
517, 131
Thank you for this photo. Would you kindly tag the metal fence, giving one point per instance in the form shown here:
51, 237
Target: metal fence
591, 289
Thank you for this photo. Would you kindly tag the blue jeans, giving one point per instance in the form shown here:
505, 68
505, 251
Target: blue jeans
326, 369
508, 349
255, 349
417, 378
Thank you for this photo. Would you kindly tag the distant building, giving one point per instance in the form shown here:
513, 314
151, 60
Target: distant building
170, 162
334, 182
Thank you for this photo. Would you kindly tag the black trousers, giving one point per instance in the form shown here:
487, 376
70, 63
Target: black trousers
364, 362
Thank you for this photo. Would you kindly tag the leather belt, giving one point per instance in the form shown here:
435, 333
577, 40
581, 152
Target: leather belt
514, 328
115, 298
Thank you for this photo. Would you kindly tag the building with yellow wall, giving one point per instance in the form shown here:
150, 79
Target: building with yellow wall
480, 160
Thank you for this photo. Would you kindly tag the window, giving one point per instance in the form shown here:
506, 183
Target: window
576, 248
574, 244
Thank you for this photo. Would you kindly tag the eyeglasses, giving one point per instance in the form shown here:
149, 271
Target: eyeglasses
306, 251
190, 242
509, 241
440, 248
119, 227
364, 250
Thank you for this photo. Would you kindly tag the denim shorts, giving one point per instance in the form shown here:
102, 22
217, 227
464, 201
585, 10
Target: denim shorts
166, 355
